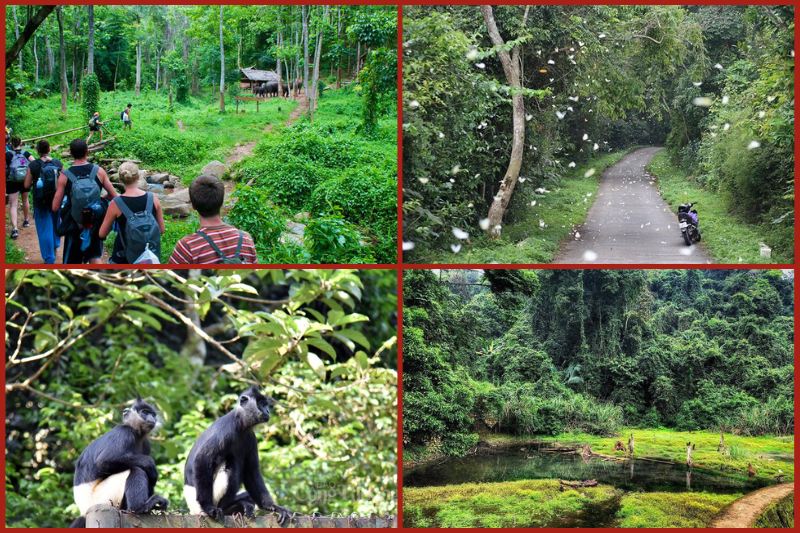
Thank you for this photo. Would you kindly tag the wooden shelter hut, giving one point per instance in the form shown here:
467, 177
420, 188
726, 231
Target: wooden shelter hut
252, 77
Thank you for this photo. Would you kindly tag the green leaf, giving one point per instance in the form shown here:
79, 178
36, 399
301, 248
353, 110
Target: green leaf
322, 344
316, 364
356, 336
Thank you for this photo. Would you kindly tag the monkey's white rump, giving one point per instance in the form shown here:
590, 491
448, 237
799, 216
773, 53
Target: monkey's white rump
110, 490
220, 488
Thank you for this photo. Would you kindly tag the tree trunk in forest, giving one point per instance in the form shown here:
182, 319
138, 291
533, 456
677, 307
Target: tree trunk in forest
221, 65
90, 60
15, 52
511, 68
16, 35
239, 53
35, 62
305, 50
278, 64
317, 56
158, 68
358, 60
195, 79
138, 68
116, 71
297, 43
62, 60
339, 42
51, 57
194, 348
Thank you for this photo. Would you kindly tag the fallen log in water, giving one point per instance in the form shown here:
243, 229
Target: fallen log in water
576, 484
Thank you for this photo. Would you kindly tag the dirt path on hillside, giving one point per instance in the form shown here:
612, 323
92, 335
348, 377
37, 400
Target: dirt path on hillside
27, 241
630, 222
243, 151
744, 511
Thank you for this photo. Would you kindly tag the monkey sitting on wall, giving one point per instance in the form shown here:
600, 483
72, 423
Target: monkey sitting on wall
224, 457
117, 469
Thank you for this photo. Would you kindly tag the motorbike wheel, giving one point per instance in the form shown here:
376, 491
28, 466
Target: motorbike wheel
686, 238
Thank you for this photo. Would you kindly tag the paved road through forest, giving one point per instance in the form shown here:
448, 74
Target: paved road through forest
629, 222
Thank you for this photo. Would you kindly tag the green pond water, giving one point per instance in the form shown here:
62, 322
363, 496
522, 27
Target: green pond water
532, 463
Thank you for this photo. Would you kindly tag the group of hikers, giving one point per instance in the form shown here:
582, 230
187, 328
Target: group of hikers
69, 205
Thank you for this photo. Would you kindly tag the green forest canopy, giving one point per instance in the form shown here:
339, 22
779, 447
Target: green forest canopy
543, 352
80, 344
713, 83
177, 48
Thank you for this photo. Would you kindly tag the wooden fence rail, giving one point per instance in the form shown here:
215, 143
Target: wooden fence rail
110, 517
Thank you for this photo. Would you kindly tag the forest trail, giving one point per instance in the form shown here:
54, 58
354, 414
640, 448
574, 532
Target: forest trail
245, 150
744, 511
28, 242
629, 222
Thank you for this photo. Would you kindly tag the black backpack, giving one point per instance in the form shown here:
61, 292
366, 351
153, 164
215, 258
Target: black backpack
235, 259
141, 230
44, 189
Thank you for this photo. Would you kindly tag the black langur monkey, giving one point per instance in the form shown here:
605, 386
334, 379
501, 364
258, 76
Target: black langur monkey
224, 457
117, 468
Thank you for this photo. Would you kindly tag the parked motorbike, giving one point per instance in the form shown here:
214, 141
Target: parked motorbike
689, 223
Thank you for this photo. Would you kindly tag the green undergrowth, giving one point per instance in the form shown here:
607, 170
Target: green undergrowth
541, 503
778, 514
526, 240
341, 183
14, 254
180, 140
669, 509
530, 503
725, 235
769, 455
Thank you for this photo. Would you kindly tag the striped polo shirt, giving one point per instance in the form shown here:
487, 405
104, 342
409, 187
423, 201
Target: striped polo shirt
194, 250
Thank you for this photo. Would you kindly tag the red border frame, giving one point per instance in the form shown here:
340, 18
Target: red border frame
399, 267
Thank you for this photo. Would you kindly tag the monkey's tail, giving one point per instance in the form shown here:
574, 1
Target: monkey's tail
79, 522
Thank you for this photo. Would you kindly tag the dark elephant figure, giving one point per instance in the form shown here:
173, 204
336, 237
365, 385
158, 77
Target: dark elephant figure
272, 88
259, 90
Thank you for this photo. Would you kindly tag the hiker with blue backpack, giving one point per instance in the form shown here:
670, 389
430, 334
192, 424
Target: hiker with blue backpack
42, 178
17, 162
139, 221
84, 209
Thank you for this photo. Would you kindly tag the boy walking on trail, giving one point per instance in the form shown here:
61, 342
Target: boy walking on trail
42, 178
95, 124
126, 118
84, 210
17, 162
215, 242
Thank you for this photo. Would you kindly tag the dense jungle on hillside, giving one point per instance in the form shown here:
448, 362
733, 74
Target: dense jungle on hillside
515, 115
294, 107
81, 344
525, 379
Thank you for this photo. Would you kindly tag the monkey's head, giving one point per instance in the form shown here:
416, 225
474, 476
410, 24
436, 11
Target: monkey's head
140, 416
253, 407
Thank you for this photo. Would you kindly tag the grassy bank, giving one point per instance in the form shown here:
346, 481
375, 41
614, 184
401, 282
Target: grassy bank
764, 453
540, 503
779, 514
727, 238
667, 509
532, 503
526, 240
